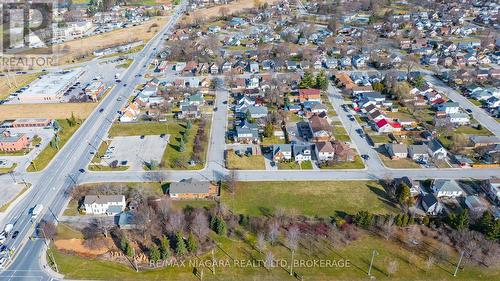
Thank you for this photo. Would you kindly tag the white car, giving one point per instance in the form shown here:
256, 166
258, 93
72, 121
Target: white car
2, 261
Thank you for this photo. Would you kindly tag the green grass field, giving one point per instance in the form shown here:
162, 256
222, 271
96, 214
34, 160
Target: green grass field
43, 159
309, 198
356, 164
253, 162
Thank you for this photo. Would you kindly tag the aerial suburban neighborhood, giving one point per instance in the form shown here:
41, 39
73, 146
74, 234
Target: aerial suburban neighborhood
250, 140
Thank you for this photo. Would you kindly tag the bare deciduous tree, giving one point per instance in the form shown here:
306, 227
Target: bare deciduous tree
269, 261
261, 242
273, 231
199, 225
176, 222
392, 267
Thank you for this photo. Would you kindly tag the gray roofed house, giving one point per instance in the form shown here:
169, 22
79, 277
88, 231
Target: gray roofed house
418, 152
431, 204
397, 150
246, 135
126, 221
257, 111
302, 152
484, 140
191, 188
436, 150
446, 188
282, 152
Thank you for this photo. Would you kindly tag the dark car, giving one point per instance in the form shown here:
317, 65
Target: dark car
224, 102
162, 135
365, 156
101, 110
142, 137
215, 108
82, 171
15, 234
468, 110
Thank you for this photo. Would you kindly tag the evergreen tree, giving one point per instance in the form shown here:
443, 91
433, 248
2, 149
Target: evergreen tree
268, 130
123, 243
307, 81
399, 220
182, 145
154, 253
221, 226
322, 80
213, 222
56, 125
192, 243
130, 250
379, 87
406, 218
180, 245
244, 220
419, 81
459, 221
493, 232
189, 124
403, 194
165, 247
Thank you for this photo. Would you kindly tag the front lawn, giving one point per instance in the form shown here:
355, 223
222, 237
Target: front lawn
356, 164
252, 162
404, 163
45, 156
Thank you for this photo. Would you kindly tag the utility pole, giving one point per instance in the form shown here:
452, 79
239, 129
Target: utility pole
213, 262
458, 264
48, 247
371, 263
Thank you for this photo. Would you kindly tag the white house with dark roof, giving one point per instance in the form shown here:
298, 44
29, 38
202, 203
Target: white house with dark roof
447, 188
104, 204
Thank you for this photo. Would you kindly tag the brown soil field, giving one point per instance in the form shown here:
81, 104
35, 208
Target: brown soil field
46, 110
233, 7
81, 50
76, 245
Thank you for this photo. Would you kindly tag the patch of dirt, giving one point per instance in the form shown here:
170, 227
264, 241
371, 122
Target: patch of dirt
77, 246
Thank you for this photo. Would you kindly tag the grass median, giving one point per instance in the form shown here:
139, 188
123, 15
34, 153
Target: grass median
45, 156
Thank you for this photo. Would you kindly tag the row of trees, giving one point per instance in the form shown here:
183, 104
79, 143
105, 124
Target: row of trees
319, 81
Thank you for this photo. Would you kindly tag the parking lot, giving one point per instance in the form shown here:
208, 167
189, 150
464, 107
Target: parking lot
136, 151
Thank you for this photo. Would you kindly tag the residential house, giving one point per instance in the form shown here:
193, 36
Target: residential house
446, 188
448, 107
192, 189
282, 152
189, 112
412, 184
324, 151
104, 204
321, 129
481, 141
473, 202
431, 204
492, 189
247, 133
418, 152
343, 152
387, 126
309, 95
302, 152
436, 150
126, 221
257, 111
397, 150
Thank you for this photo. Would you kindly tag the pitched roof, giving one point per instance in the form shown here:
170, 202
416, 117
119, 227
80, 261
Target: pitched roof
103, 199
189, 186
326, 147
446, 185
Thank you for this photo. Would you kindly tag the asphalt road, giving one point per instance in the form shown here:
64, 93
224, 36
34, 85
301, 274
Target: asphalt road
54, 183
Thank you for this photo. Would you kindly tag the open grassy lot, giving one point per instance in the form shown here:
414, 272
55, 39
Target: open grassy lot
139, 129
233, 7
65, 231
318, 198
253, 162
469, 130
14, 82
339, 132
356, 164
272, 140
43, 158
46, 110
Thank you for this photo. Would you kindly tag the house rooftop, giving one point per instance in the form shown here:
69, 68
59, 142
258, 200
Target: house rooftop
189, 186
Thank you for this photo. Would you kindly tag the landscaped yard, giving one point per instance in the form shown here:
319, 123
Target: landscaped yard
339, 132
252, 162
272, 140
469, 130
45, 156
309, 198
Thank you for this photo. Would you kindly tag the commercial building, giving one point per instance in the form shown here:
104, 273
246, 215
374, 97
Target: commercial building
50, 87
10, 142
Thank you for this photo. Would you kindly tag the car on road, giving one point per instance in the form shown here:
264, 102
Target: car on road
215, 108
82, 171
468, 110
162, 135
101, 110
142, 137
359, 131
15, 234
125, 85
365, 156
119, 99
273, 164
2, 261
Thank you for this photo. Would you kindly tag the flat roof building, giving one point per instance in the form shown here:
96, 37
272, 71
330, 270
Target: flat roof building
50, 87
